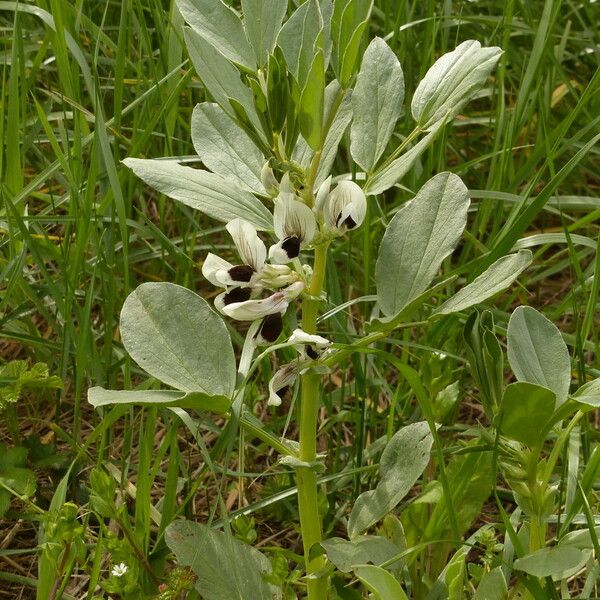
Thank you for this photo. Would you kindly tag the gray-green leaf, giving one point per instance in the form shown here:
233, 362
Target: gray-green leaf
550, 561
220, 26
419, 237
402, 462
221, 78
525, 410
389, 175
492, 586
495, 279
537, 352
175, 336
300, 38
452, 81
262, 21
589, 393
98, 396
225, 148
380, 582
346, 554
376, 103
207, 192
226, 567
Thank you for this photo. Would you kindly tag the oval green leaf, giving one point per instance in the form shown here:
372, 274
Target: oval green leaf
175, 336
419, 237
537, 352
209, 193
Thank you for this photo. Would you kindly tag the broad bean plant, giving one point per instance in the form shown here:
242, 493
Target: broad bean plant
284, 91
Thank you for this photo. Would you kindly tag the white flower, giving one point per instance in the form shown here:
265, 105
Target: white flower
281, 380
309, 346
252, 310
119, 570
295, 227
343, 208
252, 251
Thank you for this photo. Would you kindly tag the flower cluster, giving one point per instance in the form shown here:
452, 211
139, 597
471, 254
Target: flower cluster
262, 285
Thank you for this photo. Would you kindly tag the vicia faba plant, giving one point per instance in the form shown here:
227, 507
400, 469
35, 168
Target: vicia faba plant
284, 93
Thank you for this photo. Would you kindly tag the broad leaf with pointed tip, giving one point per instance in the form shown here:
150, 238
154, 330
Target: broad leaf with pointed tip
221, 78
537, 352
98, 396
525, 411
220, 26
551, 561
452, 81
387, 176
346, 554
417, 240
225, 148
207, 192
380, 582
589, 393
262, 22
175, 336
402, 462
226, 568
376, 103
492, 281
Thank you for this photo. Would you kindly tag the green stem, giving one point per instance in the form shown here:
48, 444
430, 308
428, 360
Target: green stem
306, 478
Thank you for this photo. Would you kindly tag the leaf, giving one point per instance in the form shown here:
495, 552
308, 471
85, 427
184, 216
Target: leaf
300, 39
207, 192
495, 279
303, 153
98, 396
402, 462
348, 22
175, 336
221, 78
380, 582
226, 567
376, 104
589, 393
550, 561
537, 352
345, 554
419, 237
310, 117
225, 148
492, 586
525, 409
486, 359
262, 22
452, 81
390, 323
389, 175
220, 26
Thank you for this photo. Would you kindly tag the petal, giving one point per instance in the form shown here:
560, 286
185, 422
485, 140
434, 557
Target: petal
270, 329
282, 378
301, 337
212, 265
346, 200
293, 218
322, 195
278, 255
251, 248
251, 310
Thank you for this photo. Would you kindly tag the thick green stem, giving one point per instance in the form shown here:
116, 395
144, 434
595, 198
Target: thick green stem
306, 478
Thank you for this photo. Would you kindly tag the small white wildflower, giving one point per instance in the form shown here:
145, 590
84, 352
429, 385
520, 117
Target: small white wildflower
119, 570
343, 208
